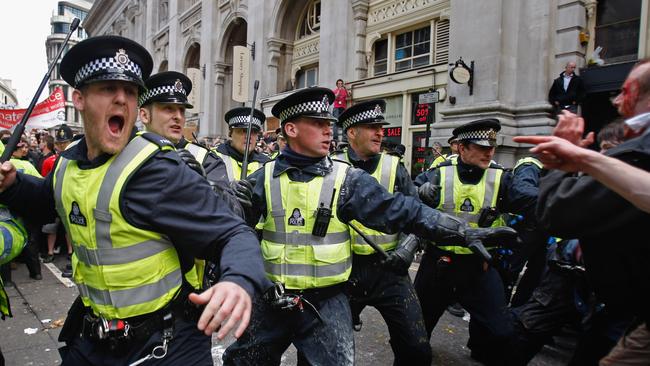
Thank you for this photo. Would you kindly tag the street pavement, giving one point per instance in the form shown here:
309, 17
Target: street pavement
39, 308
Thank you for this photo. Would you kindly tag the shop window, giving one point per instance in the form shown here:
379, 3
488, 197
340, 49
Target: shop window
617, 29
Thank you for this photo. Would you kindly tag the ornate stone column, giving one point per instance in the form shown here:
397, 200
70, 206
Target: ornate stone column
274, 46
360, 14
220, 70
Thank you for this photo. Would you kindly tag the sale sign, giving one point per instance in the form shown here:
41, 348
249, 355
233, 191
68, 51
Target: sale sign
46, 114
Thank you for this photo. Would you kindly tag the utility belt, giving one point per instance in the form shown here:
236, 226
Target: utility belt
116, 332
280, 298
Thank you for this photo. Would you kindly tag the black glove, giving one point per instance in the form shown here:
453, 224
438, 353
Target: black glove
494, 236
243, 190
228, 195
429, 194
450, 230
189, 159
400, 259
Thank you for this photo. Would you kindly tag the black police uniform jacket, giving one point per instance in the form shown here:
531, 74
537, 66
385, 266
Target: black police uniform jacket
164, 195
215, 168
613, 233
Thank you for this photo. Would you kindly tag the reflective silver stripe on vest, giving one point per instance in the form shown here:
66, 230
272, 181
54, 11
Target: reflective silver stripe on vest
101, 212
377, 239
449, 205
197, 151
110, 256
308, 270
386, 166
278, 213
58, 187
305, 238
131, 296
341, 156
227, 160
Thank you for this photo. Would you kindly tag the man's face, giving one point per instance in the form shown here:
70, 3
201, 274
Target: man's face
238, 136
366, 139
61, 146
629, 102
569, 68
21, 149
476, 155
339, 84
109, 110
164, 119
309, 136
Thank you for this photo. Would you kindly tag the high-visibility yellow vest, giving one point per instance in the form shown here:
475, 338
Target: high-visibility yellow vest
439, 159
12, 241
385, 174
121, 270
233, 167
528, 160
466, 200
292, 255
199, 152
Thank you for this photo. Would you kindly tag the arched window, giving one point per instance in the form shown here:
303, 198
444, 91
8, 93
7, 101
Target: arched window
310, 23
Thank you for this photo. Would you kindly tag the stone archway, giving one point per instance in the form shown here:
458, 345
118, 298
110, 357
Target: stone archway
286, 16
235, 34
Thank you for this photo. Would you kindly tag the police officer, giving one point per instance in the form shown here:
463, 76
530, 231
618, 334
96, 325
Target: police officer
390, 291
162, 111
453, 147
471, 187
305, 200
232, 152
129, 205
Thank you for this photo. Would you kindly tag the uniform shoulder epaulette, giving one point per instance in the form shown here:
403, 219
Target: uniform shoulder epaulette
495, 165
163, 143
395, 154
444, 163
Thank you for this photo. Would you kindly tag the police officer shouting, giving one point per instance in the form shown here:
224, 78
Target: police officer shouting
305, 200
391, 292
232, 152
130, 207
473, 188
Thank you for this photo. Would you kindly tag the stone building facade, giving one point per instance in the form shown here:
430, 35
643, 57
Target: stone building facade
8, 97
391, 49
60, 21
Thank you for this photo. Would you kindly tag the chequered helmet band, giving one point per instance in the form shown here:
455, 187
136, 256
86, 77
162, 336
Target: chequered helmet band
314, 106
478, 135
165, 89
365, 115
107, 64
242, 122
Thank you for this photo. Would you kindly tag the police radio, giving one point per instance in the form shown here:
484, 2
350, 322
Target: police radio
487, 216
323, 217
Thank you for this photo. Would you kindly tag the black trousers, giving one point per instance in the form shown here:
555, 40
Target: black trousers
463, 280
394, 297
271, 331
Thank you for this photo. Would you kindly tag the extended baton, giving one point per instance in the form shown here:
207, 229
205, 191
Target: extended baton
20, 127
365, 237
244, 165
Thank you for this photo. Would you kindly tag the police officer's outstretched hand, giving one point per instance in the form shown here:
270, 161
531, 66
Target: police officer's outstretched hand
7, 175
228, 195
400, 259
450, 230
189, 159
429, 194
494, 236
223, 301
244, 192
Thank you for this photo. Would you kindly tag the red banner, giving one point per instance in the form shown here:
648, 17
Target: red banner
46, 114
